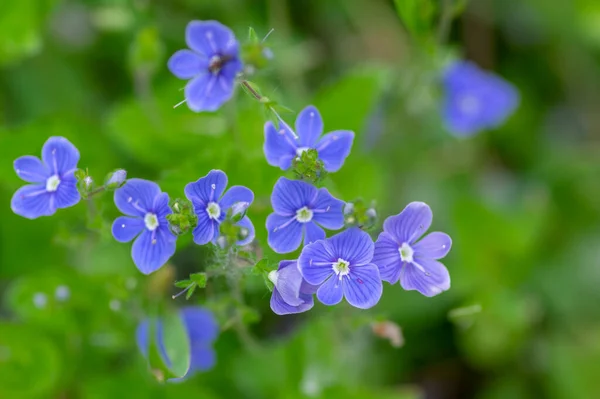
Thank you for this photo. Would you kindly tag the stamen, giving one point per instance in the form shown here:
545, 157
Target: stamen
178, 104
286, 224
267, 35
327, 143
322, 210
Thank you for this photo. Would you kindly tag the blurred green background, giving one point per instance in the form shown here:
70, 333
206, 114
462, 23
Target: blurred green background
522, 202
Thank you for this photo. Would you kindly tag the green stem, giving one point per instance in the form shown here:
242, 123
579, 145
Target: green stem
445, 21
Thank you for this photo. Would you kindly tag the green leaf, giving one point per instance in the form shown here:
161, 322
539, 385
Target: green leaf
199, 279
177, 347
417, 16
252, 37
183, 283
191, 291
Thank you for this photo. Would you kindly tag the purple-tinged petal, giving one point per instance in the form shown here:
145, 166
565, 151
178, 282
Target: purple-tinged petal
136, 197
284, 233
59, 155
186, 64
33, 201
410, 224
207, 92
333, 149
234, 195
161, 207
67, 194
312, 233
434, 245
387, 258
280, 307
202, 358
427, 276
327, 210
230, 69
248, 233
31, 169
288, 282
152, 249
316, 262
362, 287
208, 188
291, 195
211, 38
206, 230
280, 145
307, 290
331, 292
352, 245
309, 126
200, 323
125, 229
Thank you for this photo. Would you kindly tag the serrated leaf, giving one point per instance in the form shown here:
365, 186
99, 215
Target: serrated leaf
183, 283
199, 279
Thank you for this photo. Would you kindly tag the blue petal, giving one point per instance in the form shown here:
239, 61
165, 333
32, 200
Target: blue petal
280, 307
152, 249
331, 292
434, 245
208, 188
333, 149
362, 287
211, 38
230, 69
289, 281
201, 324
427, 276
312, 233
246, 224
136, 197
142, 337
316, 261
327, 210
410, 224
202, 358
186, 64
280, 145
161, 207
206, 230
33, 201
60, 156
352, 245
207, 92
67, 194
236, 194
31, 169
291, 195
387, 258
309, 126
284, 233
125, 229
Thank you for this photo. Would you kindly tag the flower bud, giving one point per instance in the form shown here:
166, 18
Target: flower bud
116, 179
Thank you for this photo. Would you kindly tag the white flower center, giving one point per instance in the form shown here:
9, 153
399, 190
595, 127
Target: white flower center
301, 151
341, 267
52, 183
469, 104
304, 215
151, 221
406, 253
214, 210
273, 276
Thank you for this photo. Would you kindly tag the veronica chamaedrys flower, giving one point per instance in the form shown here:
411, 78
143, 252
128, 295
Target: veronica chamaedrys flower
475, 100
54, 185
146, 208
291, 293
211, 65
342, 267
202, 331
300, 209
400, 257
281, 145
211, 208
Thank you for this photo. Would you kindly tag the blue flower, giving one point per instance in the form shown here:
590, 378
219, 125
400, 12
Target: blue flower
475, 100
281, 146
54, 183
202, 331
299, 210
147, 209
211, 65
291, 293
211, 208
341, 266
400, 257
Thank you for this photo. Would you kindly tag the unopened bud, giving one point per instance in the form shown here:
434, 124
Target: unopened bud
116, 179
348, 208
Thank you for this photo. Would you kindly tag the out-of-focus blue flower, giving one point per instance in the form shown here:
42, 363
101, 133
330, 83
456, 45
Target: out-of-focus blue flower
281, 146
475, 100
202, 331
53, 177
291, 293
211, 65
299, 210
211, 208
341, 266
400, 257
147, 209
